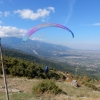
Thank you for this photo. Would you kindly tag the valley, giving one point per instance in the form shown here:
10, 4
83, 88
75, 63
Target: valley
80, 58
68, 59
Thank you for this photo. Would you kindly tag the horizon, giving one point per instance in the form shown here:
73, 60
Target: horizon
80, 16
2, 38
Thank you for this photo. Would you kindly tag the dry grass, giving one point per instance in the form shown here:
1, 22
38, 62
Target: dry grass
25, 85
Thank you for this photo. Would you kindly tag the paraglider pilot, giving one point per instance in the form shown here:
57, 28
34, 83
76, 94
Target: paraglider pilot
46, 69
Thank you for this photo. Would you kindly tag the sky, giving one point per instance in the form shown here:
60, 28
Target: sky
82, 17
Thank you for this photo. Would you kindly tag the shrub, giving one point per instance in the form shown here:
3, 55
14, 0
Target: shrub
48, 87
92, 86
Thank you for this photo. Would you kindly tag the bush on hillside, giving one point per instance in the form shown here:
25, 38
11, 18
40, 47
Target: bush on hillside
48, 87
92, 86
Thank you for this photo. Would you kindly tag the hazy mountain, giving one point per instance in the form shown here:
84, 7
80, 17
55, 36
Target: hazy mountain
38, 48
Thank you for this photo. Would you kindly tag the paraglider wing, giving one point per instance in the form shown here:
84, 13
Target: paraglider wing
36, 28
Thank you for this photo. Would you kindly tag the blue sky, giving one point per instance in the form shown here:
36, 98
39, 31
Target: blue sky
81, 16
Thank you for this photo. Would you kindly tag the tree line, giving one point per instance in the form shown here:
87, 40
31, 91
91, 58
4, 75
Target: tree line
25, 68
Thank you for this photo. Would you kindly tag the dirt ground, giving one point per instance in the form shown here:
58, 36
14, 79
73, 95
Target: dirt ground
21, 84
24, 88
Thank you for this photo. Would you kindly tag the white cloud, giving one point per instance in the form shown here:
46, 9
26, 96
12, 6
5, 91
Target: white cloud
35, 38
0, 14
43, 20
70, 10
11, 31
96, 24
6, 13
29, 14
51, 8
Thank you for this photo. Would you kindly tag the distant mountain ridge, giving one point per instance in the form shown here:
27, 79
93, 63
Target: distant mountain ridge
34, 47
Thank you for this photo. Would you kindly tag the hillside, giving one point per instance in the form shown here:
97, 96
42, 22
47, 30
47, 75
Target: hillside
25, 56
80, 62
65, 67
24, 71
82, 70
23, 88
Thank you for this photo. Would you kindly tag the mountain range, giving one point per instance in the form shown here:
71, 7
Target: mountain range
78, 60
34, 47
